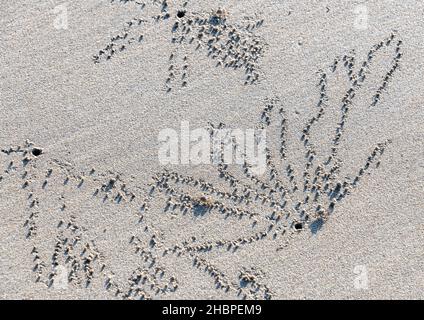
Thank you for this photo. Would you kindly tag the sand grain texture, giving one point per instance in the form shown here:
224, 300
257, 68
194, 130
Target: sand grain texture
88, 211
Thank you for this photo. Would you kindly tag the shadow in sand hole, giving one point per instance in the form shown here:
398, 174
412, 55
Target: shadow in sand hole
316, 226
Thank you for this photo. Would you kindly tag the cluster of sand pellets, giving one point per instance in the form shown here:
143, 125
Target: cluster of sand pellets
230, 45
121, 41
59, 240
247, 209
288, 208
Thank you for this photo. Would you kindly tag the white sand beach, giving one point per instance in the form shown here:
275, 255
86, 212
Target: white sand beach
90, 210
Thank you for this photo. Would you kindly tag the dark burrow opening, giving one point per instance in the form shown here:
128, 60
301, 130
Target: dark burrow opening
37, 152
181, 14
298, 226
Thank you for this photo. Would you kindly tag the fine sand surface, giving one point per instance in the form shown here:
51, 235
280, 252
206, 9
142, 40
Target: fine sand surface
89, 212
